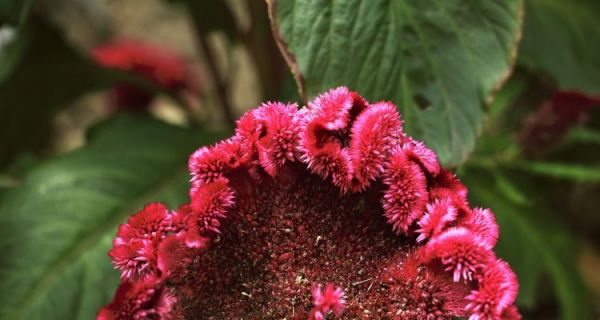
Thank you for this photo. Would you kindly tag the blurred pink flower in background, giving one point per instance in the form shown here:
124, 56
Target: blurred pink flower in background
164, 68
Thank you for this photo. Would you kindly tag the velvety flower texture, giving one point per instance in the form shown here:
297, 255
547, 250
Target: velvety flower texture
162, 67
330, 211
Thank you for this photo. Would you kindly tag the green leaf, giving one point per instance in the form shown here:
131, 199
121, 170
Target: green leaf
557, 170
56, 229
582, 135
533, 243
440, 61
568, 171
561, 38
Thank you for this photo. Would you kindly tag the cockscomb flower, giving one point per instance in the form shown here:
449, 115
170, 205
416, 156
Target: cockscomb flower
439, 214
164, 68
330, 211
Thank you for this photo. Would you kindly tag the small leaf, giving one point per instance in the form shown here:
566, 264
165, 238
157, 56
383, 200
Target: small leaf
56, 229
582, 135
533, 244
440, 61
509, 189
569, 171
561, 38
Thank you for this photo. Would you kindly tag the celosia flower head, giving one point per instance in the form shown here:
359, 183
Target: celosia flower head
158, 65
330, 211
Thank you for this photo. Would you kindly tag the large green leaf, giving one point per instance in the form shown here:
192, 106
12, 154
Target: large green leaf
562, 38
532, 242
56, 229
440, 61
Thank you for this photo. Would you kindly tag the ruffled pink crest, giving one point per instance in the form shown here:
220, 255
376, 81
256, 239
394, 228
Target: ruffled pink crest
325, 157
179, 218
208, 164
374, 132
326, 134
136, 259
280, 142
497, 292
248, 130
461, 251
332, 299
406, 196
483, 223
149, 223
439, 215
445, 184
419, 153
324, 154
174, 256
139, 300
333, 109
213, 199
210, 203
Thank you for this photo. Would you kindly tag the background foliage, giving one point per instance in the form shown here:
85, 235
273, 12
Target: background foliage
469, 79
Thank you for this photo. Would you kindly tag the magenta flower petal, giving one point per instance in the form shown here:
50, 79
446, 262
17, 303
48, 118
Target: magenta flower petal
149, 223
208, 164
406, 196
278, 141
439, 215
461, 251
497, 291
140, 300
425, 157
174, 255
210, 203
482, 222
374, 132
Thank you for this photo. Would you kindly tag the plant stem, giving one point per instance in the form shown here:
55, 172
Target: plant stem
213, 72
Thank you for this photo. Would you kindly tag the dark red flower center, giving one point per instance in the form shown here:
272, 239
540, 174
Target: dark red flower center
296, 232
